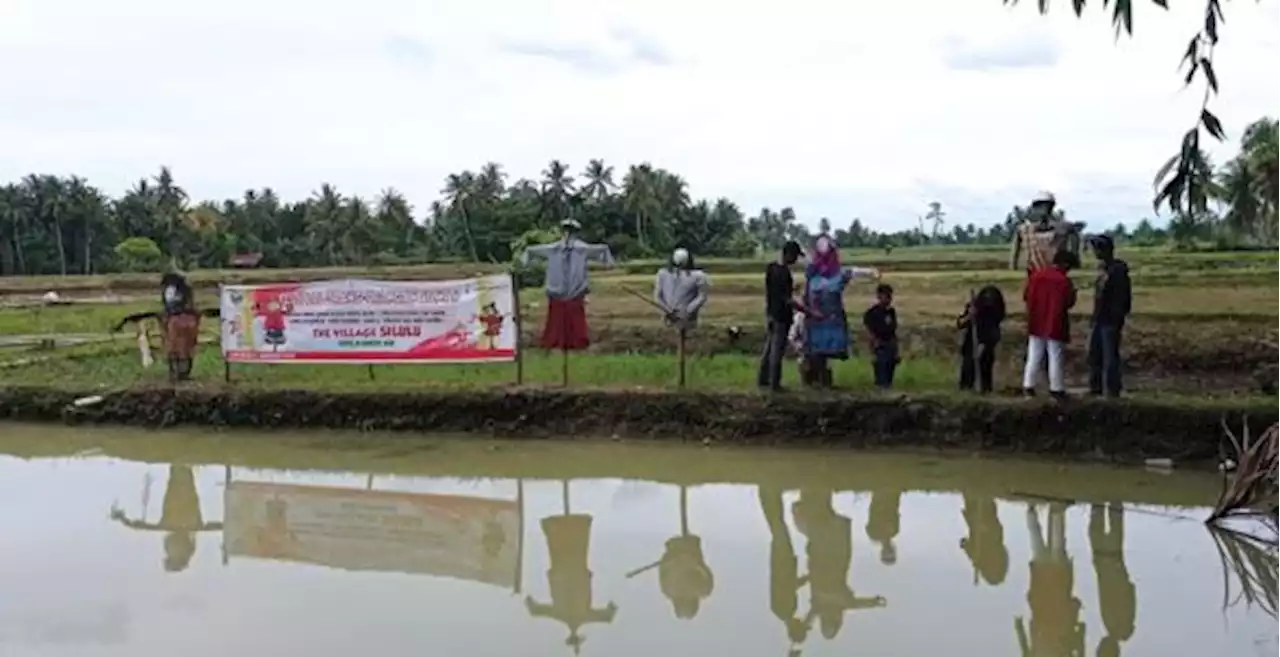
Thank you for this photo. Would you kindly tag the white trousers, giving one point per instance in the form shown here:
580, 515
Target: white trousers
1037, 349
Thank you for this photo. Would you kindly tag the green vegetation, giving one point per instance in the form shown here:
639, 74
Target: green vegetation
724, 372
1200, 324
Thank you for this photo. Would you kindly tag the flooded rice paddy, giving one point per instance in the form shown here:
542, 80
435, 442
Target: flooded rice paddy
122, 542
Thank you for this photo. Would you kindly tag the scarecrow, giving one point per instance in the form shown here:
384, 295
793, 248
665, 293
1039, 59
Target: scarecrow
179, 322
567, 285
1043, 234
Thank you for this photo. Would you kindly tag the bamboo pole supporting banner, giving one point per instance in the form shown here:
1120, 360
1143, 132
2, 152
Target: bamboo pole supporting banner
517, 317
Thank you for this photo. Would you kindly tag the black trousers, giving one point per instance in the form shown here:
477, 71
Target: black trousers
981, 371
775, 349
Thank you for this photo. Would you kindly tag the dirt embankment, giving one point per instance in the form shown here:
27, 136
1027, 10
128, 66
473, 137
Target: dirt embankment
1121, 430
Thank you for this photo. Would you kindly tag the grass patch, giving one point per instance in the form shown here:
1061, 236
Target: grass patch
724, 372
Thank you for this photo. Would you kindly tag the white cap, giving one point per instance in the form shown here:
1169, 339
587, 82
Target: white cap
571, 223
1043, 196
680, 256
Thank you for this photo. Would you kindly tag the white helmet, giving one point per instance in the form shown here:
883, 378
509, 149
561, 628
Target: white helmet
1043, 196
679, 257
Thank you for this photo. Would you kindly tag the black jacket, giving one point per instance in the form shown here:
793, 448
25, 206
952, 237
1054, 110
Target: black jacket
1112, 294
989, 314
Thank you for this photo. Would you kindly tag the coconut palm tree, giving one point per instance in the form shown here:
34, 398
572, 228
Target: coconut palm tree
458, 191
557, 190
599, 181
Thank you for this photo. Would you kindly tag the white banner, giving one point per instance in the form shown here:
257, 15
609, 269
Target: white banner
362, 321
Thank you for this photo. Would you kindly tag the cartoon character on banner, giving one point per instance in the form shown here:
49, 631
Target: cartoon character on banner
273, 308
491, 320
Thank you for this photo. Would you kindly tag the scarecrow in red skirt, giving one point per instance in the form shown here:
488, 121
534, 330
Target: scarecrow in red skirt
567, 286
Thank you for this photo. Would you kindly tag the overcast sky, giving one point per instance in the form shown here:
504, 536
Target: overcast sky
839, 108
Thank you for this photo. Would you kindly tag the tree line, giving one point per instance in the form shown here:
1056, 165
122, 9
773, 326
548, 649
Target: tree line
63, 225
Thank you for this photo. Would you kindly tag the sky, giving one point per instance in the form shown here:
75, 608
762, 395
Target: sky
838, 108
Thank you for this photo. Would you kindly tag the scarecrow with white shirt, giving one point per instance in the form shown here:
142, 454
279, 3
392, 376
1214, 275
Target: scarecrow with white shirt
681, 290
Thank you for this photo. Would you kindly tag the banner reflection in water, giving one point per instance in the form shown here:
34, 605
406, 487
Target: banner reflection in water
470, 538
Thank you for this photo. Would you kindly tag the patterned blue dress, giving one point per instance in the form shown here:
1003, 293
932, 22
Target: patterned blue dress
828, 336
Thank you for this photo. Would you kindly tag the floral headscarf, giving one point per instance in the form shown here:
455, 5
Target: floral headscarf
826, 258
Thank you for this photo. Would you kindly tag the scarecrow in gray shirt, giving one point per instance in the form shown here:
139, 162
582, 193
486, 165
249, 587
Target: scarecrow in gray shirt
680, 290
567, 286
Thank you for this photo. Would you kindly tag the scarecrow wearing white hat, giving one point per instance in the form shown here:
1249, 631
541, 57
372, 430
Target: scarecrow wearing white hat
1043, 234
567, 286
681, 290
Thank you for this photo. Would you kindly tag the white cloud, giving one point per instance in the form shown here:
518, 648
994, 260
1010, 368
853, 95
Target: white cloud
839, 108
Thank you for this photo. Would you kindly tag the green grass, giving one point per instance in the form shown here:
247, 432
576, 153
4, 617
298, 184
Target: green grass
922, 259
724, 372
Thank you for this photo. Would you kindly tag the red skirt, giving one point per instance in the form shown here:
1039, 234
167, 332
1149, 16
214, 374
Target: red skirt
566, 326
181, 334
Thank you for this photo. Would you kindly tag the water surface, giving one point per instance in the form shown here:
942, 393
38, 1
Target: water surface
121, 542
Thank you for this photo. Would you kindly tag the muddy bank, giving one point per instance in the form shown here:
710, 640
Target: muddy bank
1120, 430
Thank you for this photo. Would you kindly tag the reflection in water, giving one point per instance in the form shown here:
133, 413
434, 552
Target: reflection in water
180, 518
829, 548
569, 577
1117, 597
985, 543
784, 568
436, 554
1249, 565
1055, 611
683, 574
882, 523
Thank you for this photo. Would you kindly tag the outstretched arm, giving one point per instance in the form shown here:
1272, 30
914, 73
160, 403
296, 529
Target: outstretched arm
539, 250
136, 317
600, 253
865, 273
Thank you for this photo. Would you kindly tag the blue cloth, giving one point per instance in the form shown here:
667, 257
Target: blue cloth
884, 364
827, 336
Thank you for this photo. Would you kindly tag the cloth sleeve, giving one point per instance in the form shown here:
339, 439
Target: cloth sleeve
540, 250
699, 299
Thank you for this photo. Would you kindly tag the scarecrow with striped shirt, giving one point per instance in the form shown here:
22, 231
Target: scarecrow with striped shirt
1043, 234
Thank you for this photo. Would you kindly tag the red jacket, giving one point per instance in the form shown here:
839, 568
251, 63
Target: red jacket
1049, 295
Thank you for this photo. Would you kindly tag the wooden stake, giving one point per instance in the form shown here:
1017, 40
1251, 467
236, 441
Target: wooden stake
680, 353
973, 337
371, 376
144, 345
519, 327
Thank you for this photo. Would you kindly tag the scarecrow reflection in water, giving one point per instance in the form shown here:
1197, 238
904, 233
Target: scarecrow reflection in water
180, 519
569, 577
683, 574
